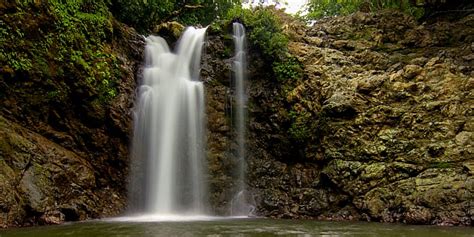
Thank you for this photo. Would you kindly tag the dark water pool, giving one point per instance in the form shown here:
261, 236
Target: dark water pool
237, 227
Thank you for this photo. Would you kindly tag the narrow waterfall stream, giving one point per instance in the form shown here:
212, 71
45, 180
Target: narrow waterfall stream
168, 161
239, 204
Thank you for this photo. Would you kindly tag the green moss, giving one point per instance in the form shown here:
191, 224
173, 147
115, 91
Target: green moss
375, 200
66, 45
441, 165
300, 128
289, 69
375, 171
7, 175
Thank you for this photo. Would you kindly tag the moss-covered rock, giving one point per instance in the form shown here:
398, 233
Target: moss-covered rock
48, 180
435, 196
374, 119
386, 120
68, 73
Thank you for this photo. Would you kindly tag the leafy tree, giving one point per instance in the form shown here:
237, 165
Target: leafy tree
323, 8
144, 14
209, 11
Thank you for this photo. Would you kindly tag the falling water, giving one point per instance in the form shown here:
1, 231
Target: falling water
167, 172
239, 203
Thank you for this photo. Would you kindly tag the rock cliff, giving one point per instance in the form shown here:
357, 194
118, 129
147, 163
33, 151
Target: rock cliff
379, 127
63, 137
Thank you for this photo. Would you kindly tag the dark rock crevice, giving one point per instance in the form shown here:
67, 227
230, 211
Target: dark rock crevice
380, 130
387, 102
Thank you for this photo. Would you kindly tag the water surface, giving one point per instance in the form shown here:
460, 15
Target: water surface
236, 227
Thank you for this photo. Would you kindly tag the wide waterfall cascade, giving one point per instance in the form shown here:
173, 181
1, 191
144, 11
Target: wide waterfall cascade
239, 203
168, 161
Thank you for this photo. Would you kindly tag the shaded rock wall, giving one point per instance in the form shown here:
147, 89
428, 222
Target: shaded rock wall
389, 106
63, 153
216, 74
42, 180
379, 128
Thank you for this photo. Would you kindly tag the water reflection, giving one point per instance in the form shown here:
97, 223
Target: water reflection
237, 227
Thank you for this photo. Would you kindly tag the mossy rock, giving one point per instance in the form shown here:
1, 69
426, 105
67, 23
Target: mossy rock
171, 29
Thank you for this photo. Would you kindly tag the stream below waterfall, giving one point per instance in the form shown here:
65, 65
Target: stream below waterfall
236, 227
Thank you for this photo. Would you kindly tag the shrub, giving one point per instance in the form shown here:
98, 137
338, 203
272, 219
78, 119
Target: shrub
289, 69
143, 15
66, 45
264, 29
265, 33
322, 8
300, 129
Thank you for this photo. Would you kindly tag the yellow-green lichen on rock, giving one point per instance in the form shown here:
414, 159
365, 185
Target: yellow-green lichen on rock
390, 116
40, 177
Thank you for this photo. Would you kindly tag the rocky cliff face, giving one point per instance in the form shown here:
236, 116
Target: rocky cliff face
379, 128
63, 148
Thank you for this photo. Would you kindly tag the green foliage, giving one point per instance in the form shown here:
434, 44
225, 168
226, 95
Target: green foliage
265, 30
299, 129
142, 14
265, 33
66, 42
210, 11
145, 14
441, 165
16, 60
290, 69
82, 28
322, 8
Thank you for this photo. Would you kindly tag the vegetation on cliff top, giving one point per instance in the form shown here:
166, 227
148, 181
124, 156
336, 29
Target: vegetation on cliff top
62, 45
417, 8
65, 46
265, 32
409, 123
143, 15
323, 8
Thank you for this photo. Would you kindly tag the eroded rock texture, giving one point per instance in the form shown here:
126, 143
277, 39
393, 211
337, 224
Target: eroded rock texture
379, 128
63, 147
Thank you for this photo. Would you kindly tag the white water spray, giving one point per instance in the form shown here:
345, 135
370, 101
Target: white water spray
168, 162
239, 204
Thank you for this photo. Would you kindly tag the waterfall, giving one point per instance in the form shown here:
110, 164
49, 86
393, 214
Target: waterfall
239, 204
168, 162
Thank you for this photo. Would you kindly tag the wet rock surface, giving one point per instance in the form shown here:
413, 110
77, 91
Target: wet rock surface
389, 106
385, 110
64, 154
42, 182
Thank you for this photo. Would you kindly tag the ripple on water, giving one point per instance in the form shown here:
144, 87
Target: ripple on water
170, 218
